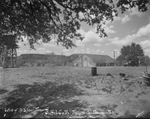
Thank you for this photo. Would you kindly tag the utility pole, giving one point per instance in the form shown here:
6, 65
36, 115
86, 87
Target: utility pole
114, 53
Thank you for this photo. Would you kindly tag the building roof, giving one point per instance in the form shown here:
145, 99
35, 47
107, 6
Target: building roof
98, 58
73, 57
53, 58
34, 56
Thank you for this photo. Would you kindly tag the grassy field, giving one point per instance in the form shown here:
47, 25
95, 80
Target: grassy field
72, 92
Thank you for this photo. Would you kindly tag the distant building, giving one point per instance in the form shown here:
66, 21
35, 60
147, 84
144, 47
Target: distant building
41, 60
81, 60
91, 60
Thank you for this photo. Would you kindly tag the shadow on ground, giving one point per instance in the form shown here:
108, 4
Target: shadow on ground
27, 99
147, 81
2, 91
48, 100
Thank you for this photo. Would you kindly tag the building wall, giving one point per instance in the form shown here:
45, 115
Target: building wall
84, 61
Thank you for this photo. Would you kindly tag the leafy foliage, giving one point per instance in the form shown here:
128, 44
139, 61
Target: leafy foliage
131, 54
9, 41
145, 61
42, 19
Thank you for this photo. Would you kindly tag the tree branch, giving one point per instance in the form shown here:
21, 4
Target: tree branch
49, 12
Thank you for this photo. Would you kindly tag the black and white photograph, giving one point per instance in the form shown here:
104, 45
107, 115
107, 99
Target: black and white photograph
74, 59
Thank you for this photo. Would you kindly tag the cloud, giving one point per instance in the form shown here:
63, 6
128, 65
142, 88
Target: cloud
89, 37
81, 15
42, 50
66, 51
143, 31
92, 51
52, 43
21, 51
116, 41
97, 44
81, 31
108, 27
88, 51
48, 45
120, 42
145, 43
24, 42
132, 12
92, 37
31, 51
117, 18
147, 51
125, 19
135, 11
79, 43
109, 30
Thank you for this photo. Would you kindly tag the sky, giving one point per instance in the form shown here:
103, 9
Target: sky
126, 28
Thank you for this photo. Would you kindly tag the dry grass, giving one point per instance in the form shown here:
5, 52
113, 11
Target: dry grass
73, 88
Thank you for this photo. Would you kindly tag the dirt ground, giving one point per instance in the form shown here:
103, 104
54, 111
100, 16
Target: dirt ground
71, 92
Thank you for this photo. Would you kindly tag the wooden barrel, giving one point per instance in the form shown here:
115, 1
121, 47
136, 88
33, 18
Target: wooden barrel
94, 71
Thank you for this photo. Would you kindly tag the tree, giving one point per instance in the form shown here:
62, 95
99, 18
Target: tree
41, 19
131, 54
145, 61
8, 48
10, 41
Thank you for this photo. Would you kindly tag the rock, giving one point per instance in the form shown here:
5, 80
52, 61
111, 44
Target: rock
108, 74
126, 79
122, 74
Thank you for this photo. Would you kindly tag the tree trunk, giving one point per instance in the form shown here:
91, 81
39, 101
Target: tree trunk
4, 55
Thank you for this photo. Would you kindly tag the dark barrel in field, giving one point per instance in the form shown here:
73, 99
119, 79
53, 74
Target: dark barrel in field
94, 71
